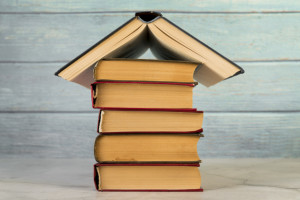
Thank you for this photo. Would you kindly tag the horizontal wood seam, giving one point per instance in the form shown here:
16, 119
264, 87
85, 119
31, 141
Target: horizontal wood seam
97, 111
163, 11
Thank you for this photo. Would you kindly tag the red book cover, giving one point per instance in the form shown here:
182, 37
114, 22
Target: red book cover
134, 82
194, 110
96, 176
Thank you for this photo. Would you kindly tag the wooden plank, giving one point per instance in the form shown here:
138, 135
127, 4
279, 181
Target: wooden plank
264, 87
175, 5
271, 86
33, 87
61, 37
250, 135
47, 135
69, 135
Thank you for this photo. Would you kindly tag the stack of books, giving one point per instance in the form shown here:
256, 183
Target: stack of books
148, 127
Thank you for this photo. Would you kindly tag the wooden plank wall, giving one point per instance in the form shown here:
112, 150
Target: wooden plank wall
253, 115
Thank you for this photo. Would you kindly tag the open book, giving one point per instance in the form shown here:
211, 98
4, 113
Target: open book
166, 41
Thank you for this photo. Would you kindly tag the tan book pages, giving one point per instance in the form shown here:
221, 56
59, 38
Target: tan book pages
148, 177
146, 148
142, 95
144, 70
149, 121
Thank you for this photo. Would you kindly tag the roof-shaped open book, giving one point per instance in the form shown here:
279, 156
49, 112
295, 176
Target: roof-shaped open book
166, 41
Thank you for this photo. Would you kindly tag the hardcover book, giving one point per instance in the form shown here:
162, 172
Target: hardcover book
128, 120
129, 94
145, 70
147, 177
166, 41
153, 148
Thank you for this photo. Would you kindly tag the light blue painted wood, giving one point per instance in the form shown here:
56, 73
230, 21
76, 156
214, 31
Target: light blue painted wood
264, 87
250, 135
50, 33
270, 86
170, 6
47, 135
62, 37
33, 87
234, 135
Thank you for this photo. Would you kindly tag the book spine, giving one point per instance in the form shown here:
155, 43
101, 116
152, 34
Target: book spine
99, 122
92, 96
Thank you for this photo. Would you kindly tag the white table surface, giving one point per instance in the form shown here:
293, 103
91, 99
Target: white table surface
231, 179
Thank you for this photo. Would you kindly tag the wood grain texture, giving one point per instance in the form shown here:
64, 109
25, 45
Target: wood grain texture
47, 135
235, 135
250, 135
256, 114
61, 37
133, 5
264, 87
33, 87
